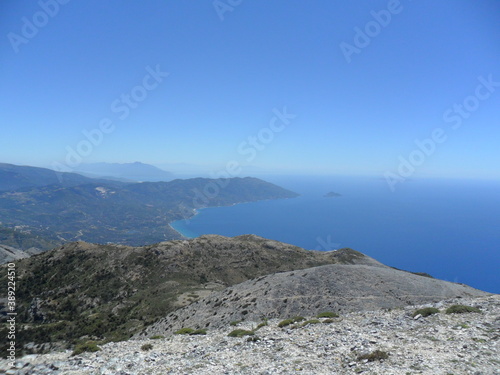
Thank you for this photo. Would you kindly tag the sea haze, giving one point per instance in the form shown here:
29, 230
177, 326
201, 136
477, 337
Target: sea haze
447, 228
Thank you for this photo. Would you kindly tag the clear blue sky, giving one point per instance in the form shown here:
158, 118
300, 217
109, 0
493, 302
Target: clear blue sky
229, 68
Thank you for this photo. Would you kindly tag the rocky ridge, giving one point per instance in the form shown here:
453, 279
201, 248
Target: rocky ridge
336, 287
437, 344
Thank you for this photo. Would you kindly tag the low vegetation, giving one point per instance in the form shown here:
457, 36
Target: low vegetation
327, 314
289, 321
88, 346
376, 355
426, 311
184, 331
263, 324
310, 321
461, 309
189, 331
240, 333
199, 332
146, 347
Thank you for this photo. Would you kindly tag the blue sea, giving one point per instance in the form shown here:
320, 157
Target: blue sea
448, 228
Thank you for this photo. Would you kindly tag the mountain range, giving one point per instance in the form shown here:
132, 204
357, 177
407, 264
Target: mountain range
127, 172
68, 207
15, 177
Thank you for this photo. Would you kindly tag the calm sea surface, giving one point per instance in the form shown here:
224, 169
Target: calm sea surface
447, 228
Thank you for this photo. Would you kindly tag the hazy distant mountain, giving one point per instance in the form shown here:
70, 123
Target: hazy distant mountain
187, 169
127, 171
14, 177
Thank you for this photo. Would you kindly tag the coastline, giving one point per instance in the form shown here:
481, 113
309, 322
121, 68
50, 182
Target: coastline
182, 234
197, 211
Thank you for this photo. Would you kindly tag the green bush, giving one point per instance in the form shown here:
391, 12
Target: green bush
311, 321
184, 331
426, 311
157, 337
460, 309
328, 321
190, 331
199, 332
263, 324
235, 323
327, 314
146, 347
88, 346
377, 355
240, 333
287, 322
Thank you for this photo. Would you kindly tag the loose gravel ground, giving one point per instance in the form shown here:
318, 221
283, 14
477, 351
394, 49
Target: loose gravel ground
437, 344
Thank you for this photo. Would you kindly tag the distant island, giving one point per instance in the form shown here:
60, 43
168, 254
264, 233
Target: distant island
332, 194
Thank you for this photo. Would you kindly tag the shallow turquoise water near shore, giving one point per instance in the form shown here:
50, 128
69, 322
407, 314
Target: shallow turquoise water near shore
448, 228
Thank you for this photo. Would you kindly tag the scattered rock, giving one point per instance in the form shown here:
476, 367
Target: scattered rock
424, 346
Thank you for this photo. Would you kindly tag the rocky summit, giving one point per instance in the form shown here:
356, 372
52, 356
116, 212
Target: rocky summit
457, 336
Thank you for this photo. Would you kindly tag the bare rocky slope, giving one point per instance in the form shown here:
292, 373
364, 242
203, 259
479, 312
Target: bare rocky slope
380, 342
10, 254
337, 287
